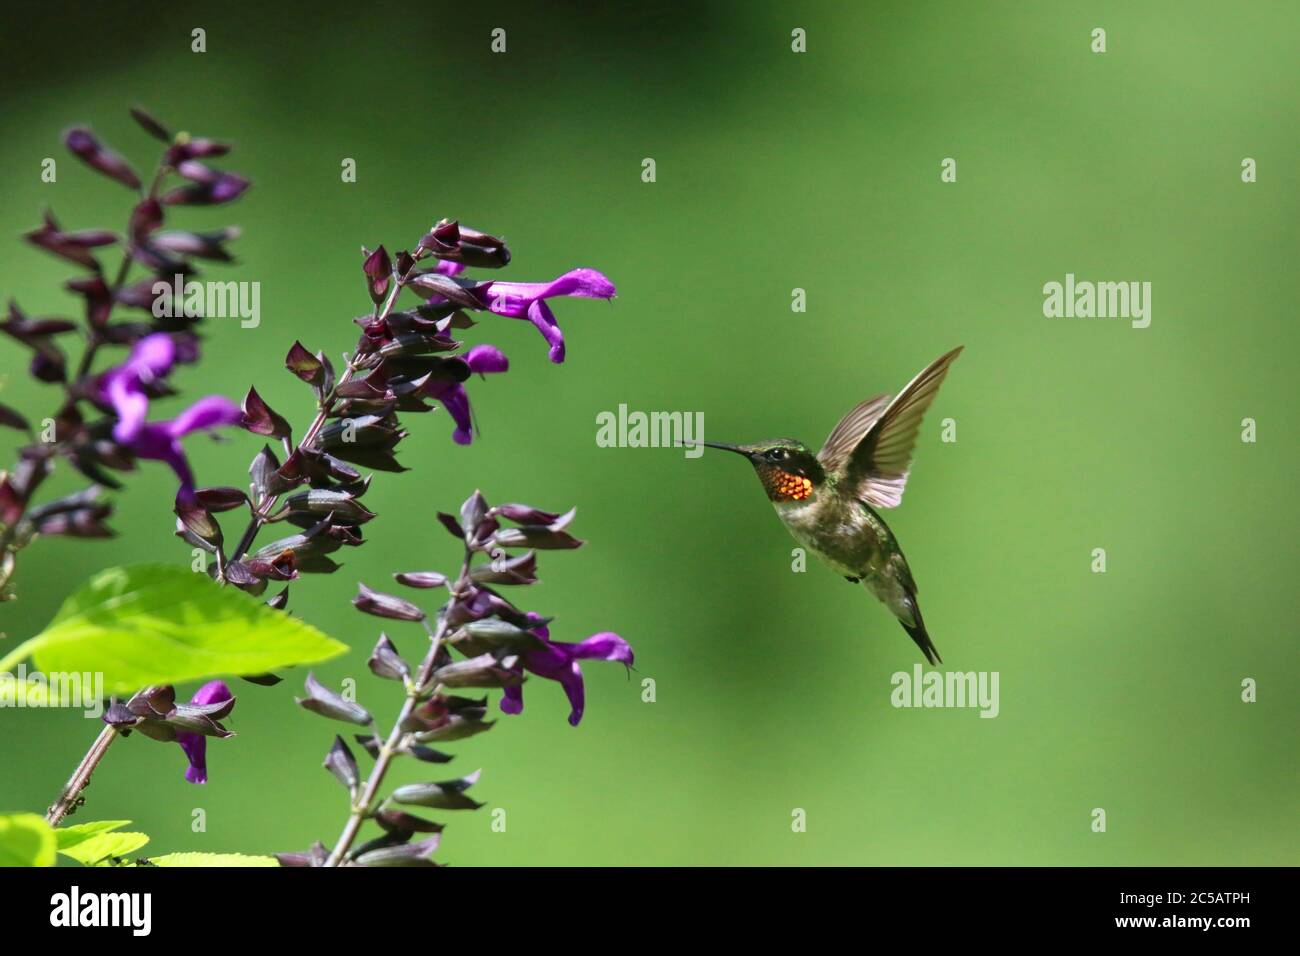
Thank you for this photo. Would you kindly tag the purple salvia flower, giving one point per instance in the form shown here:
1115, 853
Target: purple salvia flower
527, 300
196, 745
559, 662
161, 441
124, 389
482, 359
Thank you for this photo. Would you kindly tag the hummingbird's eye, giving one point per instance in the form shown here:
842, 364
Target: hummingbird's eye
778, 454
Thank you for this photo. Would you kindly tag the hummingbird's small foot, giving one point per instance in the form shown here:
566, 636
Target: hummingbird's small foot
852, 580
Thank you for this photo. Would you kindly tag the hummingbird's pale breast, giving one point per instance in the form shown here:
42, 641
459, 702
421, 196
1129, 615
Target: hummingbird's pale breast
838, 530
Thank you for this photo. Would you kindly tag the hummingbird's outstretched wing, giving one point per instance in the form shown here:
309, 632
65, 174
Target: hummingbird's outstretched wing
845, 436
877, 466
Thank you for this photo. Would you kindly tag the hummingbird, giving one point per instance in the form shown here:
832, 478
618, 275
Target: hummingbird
828, 500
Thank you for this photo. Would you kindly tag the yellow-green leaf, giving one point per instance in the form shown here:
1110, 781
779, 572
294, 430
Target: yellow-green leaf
26, 840
80, 832
160, 624
101, 846
212, 859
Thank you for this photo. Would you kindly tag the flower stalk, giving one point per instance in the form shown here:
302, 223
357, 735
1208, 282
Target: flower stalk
80, 778
391, 746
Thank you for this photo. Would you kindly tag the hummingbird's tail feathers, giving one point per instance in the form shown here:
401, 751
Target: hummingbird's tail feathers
918, 633
909, 615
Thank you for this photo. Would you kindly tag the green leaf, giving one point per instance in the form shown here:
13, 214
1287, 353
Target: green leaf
159, 624
81, 832
25, 840
212, 859
95, 849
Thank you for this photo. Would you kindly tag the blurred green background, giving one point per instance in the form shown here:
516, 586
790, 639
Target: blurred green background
775, 170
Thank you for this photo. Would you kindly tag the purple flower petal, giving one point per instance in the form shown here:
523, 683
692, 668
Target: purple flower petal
540, 314
209, 412
486, 358
576, 691
512, 700
455, 399
605, 646
123, 387
196, 745
513, 298
558, 661
131, 405
521, 300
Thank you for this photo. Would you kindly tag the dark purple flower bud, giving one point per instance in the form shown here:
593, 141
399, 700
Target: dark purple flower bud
150, 125
340, 762
48, 362
198, 520
11, 418
262, 470
493, 636
303, 364
194, 148
156, 702
447, 795
451, 524
534, 536
72, 246
321, 502
517, 570
99, 299
283, 567
399, 854
426, 754
450, 241
386, 605
421, 579
200, 245
399, 821
527, 514
146, 217
448, 718
211, 187
260, 419
316, 855
386, 662
221, 499
379, 274
265, 680
473, 511
482, 671
442, 288
84, 145
321, 700
79, 515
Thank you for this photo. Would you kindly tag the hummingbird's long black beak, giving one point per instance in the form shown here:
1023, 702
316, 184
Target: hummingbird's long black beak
724, 447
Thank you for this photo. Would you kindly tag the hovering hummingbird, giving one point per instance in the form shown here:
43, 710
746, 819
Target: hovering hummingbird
828, 500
